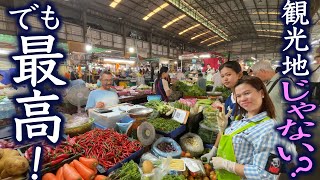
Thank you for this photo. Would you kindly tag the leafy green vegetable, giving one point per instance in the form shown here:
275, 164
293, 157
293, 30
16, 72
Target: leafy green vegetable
193, 90
129, 171
173, 177
164, 125
225, 91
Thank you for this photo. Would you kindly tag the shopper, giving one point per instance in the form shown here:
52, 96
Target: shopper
216, 78
104, 96
161, 85
230, 73
180, 75
202, 82
263, 70
247, 149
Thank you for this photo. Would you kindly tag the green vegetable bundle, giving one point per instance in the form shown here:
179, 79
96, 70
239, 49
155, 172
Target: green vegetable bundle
193, 90
129, 171
225, 91
153, 104
173, 177
164, 125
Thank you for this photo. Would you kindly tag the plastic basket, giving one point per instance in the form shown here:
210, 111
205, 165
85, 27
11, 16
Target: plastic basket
208, 135
80, 129
154, 98
124, 124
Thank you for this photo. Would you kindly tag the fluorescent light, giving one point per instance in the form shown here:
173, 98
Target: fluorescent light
268, 23
253, 58
88, 47
269, 30
114, 60
205, 56
270, 13
195, 57
131, 49
173, 21
186, 30
208, 39
216, 42
175, 62
261, 35
155, 11
114, 3
194, 37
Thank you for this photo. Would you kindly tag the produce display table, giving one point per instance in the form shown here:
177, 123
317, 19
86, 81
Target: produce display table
137, 99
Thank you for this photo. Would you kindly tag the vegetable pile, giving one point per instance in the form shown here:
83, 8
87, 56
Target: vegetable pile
129, 171
108, 146
164, 125
193, 90
84, 169
210, 117
12, 164
161, 107
7, 143
225, 91
166, 147
173, 177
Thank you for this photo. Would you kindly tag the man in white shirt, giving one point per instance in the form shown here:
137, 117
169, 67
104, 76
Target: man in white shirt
180, 75
216, 78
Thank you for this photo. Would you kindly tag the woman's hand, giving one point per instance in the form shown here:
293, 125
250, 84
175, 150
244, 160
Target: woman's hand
221, 163
100, 104
223, 119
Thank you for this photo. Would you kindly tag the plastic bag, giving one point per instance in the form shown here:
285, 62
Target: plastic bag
159, 153
208, 135
192, 143
194, 165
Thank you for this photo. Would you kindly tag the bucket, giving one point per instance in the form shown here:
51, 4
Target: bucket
124, 124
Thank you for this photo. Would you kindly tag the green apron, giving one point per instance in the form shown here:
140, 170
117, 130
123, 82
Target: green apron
225, 150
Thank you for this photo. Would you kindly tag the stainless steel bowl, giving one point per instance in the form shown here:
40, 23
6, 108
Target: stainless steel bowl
140, 112
216, 93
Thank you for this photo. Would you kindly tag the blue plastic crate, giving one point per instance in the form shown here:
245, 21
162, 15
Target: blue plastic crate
99, 126
133, 156
175, 133
154, 98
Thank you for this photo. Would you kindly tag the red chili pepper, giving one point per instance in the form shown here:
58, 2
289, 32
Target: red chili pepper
54, 162
62, 156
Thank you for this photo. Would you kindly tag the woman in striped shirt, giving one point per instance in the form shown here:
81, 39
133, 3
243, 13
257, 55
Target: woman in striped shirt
247, 148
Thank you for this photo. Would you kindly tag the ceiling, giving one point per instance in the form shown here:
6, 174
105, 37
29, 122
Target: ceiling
240, 26
230, 21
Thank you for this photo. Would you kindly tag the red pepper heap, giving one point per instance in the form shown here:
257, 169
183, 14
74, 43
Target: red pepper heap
107, 146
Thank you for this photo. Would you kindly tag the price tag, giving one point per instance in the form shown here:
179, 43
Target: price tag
180, 116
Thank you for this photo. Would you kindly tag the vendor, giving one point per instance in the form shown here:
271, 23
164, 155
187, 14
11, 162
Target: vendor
201, 81
2, 84
104, 96
161, 85
247, 149
230, 73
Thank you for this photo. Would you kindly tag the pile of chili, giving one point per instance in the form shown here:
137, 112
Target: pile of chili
107, 146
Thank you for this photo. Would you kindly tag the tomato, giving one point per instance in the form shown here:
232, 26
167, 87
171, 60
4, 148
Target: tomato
183, 154
193, 174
